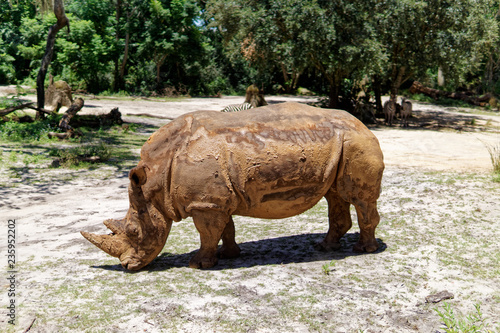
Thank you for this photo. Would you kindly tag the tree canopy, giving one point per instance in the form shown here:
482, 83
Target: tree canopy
222, 46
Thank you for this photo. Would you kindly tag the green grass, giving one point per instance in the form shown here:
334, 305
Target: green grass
37, 131
70, 157
494, 151
455, 322
441, 101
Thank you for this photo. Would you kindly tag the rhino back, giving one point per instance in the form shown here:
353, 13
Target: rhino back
271, 162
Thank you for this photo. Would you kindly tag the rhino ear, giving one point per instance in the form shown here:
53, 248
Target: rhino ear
138, 176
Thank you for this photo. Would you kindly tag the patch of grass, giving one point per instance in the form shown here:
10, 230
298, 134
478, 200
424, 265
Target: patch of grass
458, 323
494, 151
326, 267
440, 101
74, 156
28, 132
7, 102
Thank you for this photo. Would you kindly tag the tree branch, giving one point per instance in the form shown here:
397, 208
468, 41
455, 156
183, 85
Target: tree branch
6, 111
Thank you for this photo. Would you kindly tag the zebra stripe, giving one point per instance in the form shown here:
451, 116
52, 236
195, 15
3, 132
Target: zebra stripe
237, 107
389, 111
406, 108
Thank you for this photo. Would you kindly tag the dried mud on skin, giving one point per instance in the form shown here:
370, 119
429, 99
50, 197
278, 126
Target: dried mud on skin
438, 231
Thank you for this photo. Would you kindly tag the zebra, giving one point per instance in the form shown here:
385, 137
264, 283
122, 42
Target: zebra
406, 108
237, 107
389, 110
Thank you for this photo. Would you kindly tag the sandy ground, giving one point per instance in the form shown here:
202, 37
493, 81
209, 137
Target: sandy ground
434, 174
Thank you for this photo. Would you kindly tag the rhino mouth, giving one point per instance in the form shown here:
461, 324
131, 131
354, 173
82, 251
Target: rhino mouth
131, 263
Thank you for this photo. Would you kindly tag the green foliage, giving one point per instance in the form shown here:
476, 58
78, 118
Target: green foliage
27, 132
6, 102
86, 54
207, 47
457, 323
440, 101
74, 156
7, 70
326, 267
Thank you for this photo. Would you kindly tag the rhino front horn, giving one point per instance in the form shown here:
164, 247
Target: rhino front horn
113, 245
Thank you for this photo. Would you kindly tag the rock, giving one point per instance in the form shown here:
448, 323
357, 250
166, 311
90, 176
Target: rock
440, 296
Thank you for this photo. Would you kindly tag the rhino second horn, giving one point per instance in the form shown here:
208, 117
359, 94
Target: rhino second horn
116, 226
111, 244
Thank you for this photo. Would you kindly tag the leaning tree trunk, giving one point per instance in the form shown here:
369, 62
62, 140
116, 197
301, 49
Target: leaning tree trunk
334, 91
397, 80
70, 113
62, 21
377, 89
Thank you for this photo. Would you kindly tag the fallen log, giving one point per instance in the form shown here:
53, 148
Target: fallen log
70, 113
114, 117
63, 136
38, 109
419, 88
81, 158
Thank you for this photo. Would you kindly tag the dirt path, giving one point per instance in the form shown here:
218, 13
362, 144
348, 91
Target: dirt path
440, 216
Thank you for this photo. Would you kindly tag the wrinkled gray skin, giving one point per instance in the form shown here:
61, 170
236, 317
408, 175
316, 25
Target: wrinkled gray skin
271, 162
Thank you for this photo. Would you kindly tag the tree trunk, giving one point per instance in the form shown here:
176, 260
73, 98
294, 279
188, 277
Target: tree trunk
125, 58
334, 92
62, 21
397, 81
377, 89
440, 78
286, 83
295, 79
159, 63
116, 82
70, 113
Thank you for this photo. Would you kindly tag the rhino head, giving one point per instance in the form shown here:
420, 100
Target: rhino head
139, 237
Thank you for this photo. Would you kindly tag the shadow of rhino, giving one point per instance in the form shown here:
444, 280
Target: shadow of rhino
262, 252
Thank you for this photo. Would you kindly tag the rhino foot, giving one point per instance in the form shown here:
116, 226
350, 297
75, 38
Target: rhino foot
325, 246
228, 252
365, 247
200, 262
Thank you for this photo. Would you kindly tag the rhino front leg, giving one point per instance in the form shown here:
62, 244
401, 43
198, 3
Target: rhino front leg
340, 222
368, 219
210, 225
229, 248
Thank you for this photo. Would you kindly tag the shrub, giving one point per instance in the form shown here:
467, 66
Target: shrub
27, 132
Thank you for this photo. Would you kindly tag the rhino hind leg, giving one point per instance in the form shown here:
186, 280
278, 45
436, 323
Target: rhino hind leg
211, 225
229, 248
368, 219
340, 222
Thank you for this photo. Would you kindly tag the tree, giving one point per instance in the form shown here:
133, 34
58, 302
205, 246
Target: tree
333, 36
265, 33
419, 35
169, 31
62, 21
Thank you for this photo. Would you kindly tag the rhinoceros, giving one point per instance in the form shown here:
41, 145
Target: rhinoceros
271, 162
